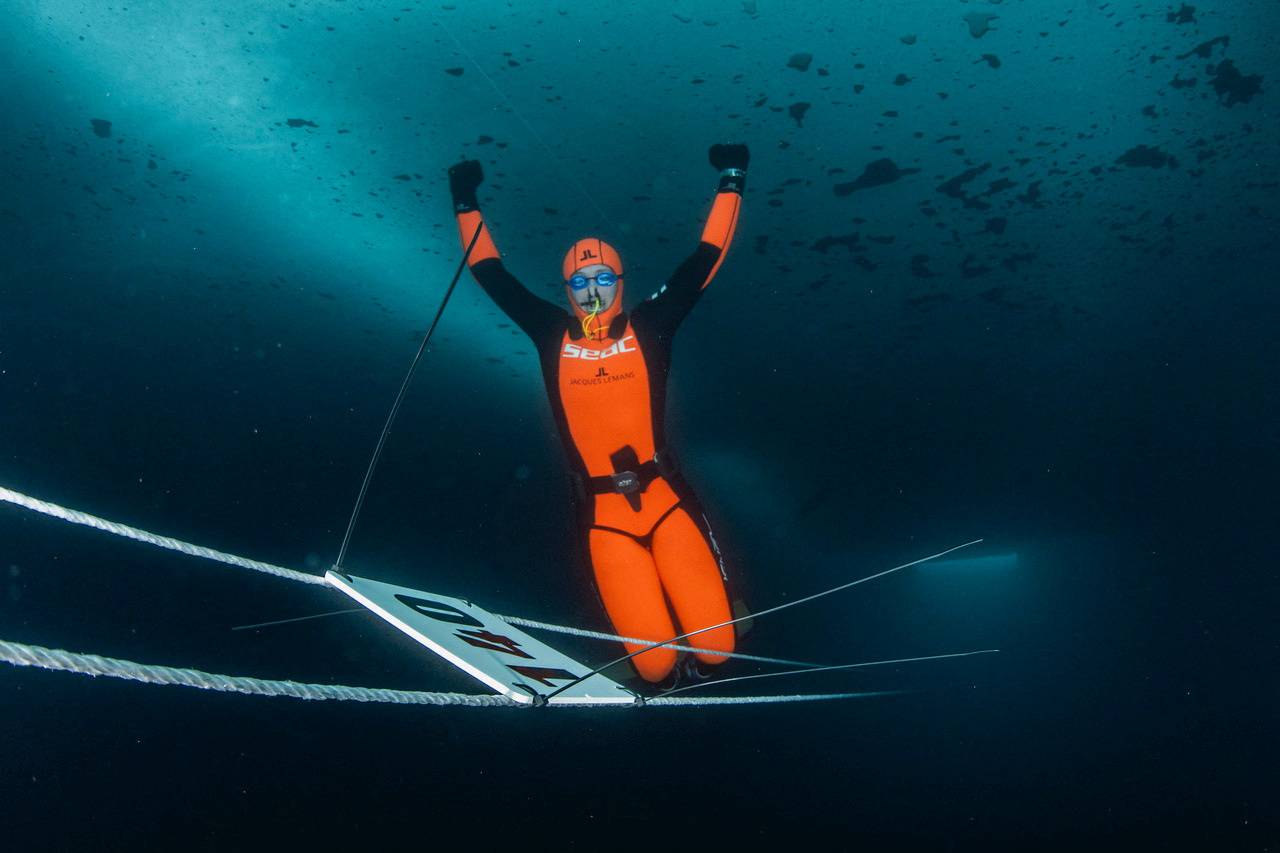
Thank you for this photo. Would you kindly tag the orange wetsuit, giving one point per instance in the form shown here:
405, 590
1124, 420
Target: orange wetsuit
648, 541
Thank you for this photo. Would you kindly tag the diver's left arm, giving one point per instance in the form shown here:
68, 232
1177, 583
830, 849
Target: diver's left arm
534, 315
678, 296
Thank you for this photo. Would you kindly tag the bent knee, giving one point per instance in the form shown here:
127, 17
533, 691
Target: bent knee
717, 640
655, 664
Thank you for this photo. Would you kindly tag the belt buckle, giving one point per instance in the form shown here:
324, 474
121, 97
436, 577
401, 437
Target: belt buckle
625, 482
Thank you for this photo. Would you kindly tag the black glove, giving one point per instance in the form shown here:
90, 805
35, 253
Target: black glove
464, 178
731, 156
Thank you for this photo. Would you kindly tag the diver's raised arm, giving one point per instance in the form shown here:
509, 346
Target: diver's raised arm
696, 272
668, 307
464, 180
531, 313
731, 161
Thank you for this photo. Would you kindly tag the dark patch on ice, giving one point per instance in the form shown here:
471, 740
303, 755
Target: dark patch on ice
901, 80
1144, 156
1205, 49
989, 58
979, 23
998, 186
1184, 15
969, 267
996, 225
1179, 83
1032, 195
800, 61
797, 111
101, 127
1232, 86
1016, 260
849, 241
456, 72
301, 122
920, 267
876, 173
907, 39
954, 187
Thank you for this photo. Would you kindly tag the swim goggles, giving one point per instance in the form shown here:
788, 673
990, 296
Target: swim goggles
604, 279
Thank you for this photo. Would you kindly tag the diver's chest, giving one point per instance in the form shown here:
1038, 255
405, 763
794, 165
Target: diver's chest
586, 366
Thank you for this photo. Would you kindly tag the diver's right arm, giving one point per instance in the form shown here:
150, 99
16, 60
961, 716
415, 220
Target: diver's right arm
529, 312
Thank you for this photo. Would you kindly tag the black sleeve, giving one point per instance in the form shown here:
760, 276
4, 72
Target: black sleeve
665, 310
535, 316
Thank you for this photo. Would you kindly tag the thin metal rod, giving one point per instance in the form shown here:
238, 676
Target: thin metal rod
296, 619
719, 681
807, 598
404, 386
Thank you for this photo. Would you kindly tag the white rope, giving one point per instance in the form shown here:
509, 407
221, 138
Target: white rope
20, 654
84, 518
76, 517
666, 702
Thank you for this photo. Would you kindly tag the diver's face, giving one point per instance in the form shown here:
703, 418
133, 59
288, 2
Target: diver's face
593, 296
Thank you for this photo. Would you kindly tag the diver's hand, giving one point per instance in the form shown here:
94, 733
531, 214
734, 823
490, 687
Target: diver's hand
731, 160
464, 178
729, 156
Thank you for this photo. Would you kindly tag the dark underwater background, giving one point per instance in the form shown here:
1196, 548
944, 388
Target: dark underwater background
1003, 270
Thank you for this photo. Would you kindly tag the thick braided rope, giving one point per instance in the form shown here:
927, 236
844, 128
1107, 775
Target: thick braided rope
58, 659
76, 517
20, 654
84, 518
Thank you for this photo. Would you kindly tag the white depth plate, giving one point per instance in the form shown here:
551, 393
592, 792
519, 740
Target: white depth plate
501, 656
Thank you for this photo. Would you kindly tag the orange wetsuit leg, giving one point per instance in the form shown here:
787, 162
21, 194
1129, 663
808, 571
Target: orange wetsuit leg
632, 594
690, 575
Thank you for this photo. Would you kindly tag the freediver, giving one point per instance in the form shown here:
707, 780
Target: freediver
605, 369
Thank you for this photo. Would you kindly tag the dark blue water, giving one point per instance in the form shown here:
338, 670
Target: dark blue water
1003, 270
